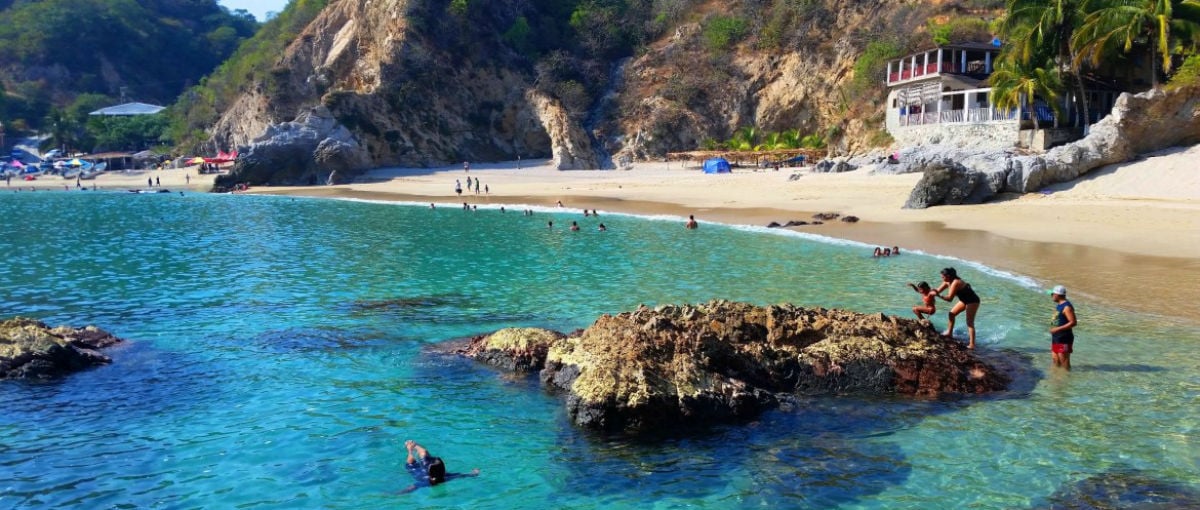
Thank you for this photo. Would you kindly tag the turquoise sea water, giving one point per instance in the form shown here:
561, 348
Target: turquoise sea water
264, 369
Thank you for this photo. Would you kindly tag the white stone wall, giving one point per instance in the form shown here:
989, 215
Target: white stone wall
984, 135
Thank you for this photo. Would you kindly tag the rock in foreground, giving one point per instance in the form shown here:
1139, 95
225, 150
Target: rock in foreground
30, 349
649, 369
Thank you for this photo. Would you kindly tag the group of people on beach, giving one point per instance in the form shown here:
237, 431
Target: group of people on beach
471, 186
1062, 336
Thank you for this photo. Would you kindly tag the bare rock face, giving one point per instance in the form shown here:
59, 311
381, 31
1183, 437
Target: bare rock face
305, 151
649, 370
30, 349
571, 148
1139, 123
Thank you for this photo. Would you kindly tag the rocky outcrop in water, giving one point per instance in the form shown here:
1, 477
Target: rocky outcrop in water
1139, 123
648, 369
30, 349
520, 350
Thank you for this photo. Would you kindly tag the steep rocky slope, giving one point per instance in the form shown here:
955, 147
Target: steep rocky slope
418, 86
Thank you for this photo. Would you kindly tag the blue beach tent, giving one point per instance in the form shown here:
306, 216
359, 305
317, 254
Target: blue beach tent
716, 166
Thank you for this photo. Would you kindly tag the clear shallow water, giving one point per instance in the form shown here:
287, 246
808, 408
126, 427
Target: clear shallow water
264, 371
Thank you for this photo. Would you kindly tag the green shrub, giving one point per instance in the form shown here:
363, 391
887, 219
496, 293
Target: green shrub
871, 67
721, 32
1186, 74
957, 30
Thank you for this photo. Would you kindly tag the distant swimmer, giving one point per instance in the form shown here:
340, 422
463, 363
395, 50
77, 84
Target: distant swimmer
878, 252
501, 209
560, 203
431, 206
927, 302
1062, 328
691, 224
574, 227
594, 213
586, 213
895, 250
887, 252
550, 224
968, 301
603, 228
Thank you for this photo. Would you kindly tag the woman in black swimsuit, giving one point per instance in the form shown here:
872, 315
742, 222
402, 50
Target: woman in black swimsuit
967, 300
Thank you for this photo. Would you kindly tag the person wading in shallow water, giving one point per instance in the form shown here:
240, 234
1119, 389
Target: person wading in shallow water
426, 469
968, 301
1062, 329
691, 223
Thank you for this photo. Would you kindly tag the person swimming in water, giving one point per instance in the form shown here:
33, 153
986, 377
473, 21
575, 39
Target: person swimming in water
426, 469
603, 228
968, 301
927, 300
691, 223
574, 227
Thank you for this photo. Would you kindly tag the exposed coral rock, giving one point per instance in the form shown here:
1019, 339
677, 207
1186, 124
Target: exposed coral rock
516, 349
647, 369
30, 349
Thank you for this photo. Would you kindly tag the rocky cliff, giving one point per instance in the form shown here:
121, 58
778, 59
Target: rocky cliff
417, 84
685, 365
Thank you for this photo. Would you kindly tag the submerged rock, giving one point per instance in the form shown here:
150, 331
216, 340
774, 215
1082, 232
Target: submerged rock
30, 349
644, 370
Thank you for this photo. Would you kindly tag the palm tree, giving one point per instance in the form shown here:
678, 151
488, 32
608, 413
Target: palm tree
1041, 29
743, 139
791, 139
772, 141
1117, 25
1015, 83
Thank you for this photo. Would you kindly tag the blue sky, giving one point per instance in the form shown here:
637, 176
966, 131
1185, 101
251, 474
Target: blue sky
258, 8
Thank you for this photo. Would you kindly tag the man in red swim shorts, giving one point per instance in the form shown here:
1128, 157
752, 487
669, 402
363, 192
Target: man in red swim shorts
1062, 334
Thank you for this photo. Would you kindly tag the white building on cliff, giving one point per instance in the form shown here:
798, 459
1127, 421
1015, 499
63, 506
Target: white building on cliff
941, 96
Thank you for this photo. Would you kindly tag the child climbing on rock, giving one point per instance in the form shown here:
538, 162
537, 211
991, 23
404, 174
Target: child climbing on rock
927, 295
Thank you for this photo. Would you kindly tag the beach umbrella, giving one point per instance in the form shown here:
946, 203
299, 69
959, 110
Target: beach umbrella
76, 162
17, 164
196, 160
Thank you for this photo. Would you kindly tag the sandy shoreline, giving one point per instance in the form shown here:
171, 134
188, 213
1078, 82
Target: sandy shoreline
1117, 236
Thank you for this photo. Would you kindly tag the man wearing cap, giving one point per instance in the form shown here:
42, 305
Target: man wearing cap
1062, 335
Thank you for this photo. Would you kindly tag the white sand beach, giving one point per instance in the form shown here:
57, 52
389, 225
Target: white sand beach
1122, 227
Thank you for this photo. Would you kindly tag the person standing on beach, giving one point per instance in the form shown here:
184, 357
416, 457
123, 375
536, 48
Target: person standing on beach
466, 166
149, 182
691, 224
968, 301
1062, 328
157, 183
458, 187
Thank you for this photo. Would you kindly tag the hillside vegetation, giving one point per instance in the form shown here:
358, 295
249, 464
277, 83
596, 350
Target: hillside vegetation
55, 52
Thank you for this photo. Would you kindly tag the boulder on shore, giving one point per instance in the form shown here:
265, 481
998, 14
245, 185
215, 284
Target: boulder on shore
651, 369
30, 349
313, 149
1138, 124
520, 350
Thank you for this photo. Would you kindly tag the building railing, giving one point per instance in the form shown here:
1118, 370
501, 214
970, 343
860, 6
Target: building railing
932, 68
960, 116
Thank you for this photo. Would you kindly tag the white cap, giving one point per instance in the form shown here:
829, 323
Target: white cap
1059, 289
